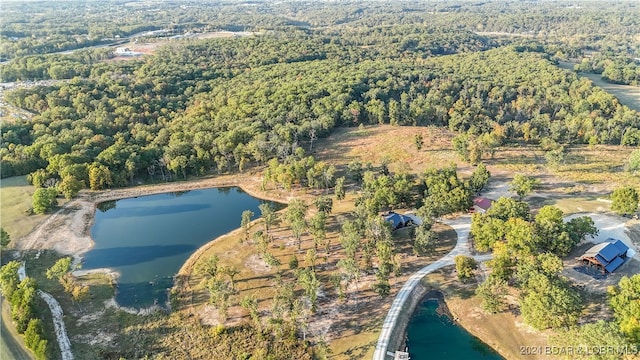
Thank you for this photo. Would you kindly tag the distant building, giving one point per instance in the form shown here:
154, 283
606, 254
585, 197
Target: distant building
481, 205
397, 221
122, 50
606, 256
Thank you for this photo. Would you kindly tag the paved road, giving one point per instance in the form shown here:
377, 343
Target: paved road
462, 226
10, 348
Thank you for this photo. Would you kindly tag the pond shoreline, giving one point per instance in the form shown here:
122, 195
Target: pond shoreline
67, 231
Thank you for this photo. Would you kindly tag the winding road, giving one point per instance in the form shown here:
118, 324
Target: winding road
462, 226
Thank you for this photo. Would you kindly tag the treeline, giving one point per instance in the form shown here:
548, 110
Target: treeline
614, 69
22, 295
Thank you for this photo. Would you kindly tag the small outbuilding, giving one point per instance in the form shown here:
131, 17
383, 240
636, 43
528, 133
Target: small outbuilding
606, 256
397, 221
481, 205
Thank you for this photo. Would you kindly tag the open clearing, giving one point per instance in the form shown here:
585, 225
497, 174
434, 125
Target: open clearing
15, 198
627, 94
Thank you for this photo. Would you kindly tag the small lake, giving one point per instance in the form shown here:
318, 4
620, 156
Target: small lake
147, 239
435, 336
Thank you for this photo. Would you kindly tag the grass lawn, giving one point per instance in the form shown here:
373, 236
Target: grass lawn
15, 198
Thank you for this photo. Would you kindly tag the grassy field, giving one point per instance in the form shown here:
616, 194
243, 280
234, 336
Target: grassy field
627, 94
15, 198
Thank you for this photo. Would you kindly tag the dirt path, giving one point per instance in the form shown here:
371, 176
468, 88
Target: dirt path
58, 324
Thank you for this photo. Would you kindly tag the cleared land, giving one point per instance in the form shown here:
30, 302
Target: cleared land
627, 94
15, 198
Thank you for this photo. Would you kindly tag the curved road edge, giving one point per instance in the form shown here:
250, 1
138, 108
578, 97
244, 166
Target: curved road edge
462, 226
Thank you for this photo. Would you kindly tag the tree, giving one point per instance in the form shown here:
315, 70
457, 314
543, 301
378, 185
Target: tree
5, 239
479, 178
9, 278
633, 163
522, 185
624, 300
34, 339
268, 216
244, 223
99, 177
507, 208
208, 266
550, 303
599, 335
310, 283
425, 241
318, 228
465, 266
296, 212
461, 146
493, 292
44, 199
418, 140
70, 186
59, 269
324, 204
624, 200
339, 189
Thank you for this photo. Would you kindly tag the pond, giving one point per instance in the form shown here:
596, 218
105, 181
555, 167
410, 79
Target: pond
147, 239
431, 335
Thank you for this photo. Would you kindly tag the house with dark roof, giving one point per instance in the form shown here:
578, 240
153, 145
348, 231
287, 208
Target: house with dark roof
481, 205
606, 256
397, 220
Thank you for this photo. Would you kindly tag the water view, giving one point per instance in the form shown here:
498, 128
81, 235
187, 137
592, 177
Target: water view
435, 336
147, 239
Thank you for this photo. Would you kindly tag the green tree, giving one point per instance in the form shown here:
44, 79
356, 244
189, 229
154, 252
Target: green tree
633, 163
523, 185
425, 240
70, 186
624, 300
460, 145
268, 216
5, 239
479, 178
507, 208
295, 214
324, 204
624, 200
59, 269
550, 303
418, 140
9, 278
339, 189
99, 177
465, 266
601, 334
208, 266
34, 339
44, 199
493, 292
245, 221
